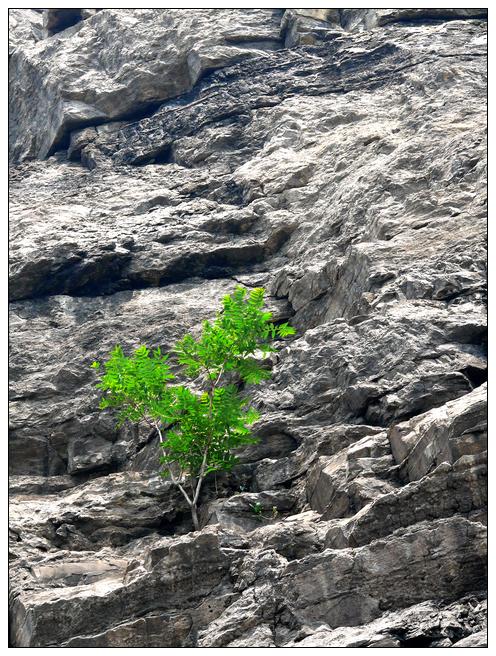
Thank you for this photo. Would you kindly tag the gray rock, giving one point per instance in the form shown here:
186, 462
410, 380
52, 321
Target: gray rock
247, 512
169, 566
110, 510
57, 20
100, 69
345, 587
366, 19
317, 440
444, 434
295, 537
475, 640
310, 26
25, 28
242, 623
295, 593
55, 426
40, 484
342, 484
422, 625
76, 248
448, 490
336, 157
349, 377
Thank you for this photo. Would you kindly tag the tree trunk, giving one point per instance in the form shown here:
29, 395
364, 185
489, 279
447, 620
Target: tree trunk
194, 516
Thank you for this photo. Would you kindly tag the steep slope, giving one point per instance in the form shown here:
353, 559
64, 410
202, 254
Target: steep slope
336, 157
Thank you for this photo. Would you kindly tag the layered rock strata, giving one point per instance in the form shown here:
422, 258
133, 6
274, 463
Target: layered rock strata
335, 157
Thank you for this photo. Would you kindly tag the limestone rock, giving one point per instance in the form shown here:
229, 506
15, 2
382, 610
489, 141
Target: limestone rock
448, 490
336, 157
110, 510
360, 19
100, 69
170, 565
25, 27
341, 484
365, 371
475, 640
423, 625
247, 512
57, 20
310, 26
443, 434
346, 588
54, 420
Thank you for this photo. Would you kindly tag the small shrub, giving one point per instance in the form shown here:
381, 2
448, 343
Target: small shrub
257, 510
203, 419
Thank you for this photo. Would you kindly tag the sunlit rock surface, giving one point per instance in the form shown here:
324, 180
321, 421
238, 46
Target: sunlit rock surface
336, 157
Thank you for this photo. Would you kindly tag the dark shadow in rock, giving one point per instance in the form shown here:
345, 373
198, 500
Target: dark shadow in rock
477, 376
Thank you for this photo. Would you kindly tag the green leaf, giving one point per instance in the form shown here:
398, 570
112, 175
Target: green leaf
285, 330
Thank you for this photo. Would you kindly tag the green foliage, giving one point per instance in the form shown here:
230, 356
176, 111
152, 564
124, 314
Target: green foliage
257, 510
200, 421
136, 386
213, 423
241, 329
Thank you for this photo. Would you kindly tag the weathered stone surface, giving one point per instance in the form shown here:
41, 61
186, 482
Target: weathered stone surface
346, 588
242, 624
314, 440
57, 20
247, 512
275, 91
350, 587
336, 157
295, 537
177, 572
101, 70
25, 27
475, 640
423, 625
425, 352
448, 490
342, 484
40, 484
443, 434
55, 424
310, 26
110, 510
360, 19
75, 247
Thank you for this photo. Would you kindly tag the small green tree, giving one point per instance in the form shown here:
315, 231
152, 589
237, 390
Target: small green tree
201, 421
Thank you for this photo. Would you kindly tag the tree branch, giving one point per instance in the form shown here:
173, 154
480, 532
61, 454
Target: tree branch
173, 478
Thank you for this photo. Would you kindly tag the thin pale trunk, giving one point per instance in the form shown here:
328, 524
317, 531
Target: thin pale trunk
201, 476
194, 516
195, 493
171, 473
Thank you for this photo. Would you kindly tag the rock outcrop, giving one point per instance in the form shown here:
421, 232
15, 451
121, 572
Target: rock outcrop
336, 157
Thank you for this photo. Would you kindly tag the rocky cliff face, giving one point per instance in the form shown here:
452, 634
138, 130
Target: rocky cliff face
336, 157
